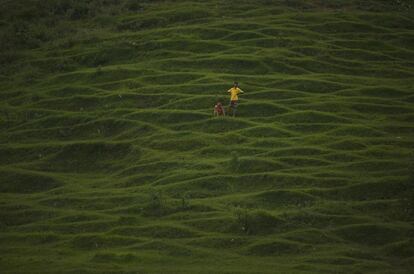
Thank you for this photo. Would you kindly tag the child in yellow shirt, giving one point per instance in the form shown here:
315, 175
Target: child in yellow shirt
234, 98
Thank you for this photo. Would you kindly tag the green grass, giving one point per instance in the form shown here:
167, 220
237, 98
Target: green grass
111, 161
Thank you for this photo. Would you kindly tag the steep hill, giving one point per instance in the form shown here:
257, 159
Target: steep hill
111, 160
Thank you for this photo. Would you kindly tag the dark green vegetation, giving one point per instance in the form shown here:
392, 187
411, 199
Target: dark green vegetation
111, 160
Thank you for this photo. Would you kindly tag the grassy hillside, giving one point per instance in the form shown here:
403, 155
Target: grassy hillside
111, 161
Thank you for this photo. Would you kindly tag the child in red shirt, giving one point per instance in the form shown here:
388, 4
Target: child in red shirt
219, 110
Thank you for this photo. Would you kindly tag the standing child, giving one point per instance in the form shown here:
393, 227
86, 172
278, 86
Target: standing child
219, 110
234, 98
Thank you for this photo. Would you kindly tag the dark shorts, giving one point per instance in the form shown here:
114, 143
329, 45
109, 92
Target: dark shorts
233, 104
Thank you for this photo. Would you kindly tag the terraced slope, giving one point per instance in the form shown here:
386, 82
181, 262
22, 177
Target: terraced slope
111, 160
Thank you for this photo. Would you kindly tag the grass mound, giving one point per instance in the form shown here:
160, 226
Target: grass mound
386, 189
105, 257
310, 117
21, 181
216, 125
94, 241
158, 231
370, 234
401, 249
311, 236
249, 165
280, 198
166, 248
220, 242
279, 247
261, 132
88, 156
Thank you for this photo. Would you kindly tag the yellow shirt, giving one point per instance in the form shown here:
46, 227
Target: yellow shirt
234, 92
